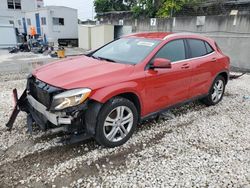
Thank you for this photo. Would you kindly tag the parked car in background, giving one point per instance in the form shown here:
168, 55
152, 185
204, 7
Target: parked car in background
106, 93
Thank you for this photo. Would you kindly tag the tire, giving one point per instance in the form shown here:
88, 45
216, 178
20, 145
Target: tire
214, 97
112, 129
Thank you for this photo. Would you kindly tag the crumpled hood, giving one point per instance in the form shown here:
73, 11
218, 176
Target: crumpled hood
83, 71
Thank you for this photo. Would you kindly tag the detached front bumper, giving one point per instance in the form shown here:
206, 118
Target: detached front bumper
78, 123
55, 119
38, 111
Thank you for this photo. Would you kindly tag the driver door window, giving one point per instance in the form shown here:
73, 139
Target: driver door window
174, 51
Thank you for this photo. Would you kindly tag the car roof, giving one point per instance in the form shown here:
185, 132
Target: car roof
167, 35
150, 35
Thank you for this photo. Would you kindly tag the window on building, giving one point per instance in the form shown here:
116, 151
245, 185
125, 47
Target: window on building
17, 4
14, 4
43, 20
11, 22
174, 51
58, 21
19, 22
28, 21
10, 4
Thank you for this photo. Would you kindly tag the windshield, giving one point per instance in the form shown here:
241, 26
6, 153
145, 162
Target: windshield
127, 50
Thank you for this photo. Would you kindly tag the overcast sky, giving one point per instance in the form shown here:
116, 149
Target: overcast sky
84, 7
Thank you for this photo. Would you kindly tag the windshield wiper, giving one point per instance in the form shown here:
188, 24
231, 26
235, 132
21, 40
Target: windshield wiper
95, 57
102, 58
106, 59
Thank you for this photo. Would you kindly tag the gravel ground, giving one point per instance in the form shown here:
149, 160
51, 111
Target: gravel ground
197, 146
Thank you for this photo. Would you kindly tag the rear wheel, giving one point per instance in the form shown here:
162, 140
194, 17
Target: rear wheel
116, 123
216, 92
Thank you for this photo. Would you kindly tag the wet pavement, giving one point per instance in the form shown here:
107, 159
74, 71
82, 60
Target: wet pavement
23, 67
25, 62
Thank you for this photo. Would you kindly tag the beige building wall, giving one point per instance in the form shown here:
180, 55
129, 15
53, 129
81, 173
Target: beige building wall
100, 35
84, 36
94, 36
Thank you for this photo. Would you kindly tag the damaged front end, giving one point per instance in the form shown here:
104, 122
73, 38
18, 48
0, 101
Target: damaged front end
38, 101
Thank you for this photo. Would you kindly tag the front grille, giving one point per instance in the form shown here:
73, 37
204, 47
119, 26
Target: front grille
41, 91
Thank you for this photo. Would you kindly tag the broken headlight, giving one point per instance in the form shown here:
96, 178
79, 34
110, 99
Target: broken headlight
70, 98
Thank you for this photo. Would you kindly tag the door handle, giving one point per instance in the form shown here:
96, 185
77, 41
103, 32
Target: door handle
214, 59
185, 66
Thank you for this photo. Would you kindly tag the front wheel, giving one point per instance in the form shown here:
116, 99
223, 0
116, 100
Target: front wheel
116, 122
216, 92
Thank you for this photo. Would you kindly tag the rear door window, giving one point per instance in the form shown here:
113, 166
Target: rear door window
197, 47
174, 51
209, 48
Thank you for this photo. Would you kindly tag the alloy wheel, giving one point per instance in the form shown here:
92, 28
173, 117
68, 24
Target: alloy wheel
217, 91
118, 123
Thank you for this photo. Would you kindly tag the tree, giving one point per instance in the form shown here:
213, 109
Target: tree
144, 8
102, 6
112, 5
169, 7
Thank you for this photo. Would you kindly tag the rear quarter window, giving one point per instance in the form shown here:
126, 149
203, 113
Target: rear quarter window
209, 48
197, 47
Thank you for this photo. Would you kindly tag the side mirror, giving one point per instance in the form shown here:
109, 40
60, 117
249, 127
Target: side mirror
161, 63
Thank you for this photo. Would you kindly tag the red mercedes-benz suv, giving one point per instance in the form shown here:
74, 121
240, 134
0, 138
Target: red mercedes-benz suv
105, 93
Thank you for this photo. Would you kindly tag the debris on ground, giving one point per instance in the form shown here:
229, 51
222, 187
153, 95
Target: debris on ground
167, 115
235, 75
245, 97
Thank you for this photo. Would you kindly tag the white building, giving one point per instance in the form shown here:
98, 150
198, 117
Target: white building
13, 11
53, 21
56, 22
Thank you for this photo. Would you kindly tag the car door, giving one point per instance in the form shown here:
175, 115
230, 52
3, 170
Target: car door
167, 86
202, 59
